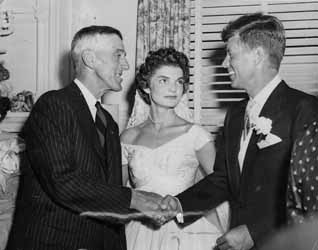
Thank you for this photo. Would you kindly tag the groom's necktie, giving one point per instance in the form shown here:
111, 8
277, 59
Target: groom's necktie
247, 120
101, 123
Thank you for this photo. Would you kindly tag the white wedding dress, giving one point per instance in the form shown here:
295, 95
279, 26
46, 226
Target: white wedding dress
170, 169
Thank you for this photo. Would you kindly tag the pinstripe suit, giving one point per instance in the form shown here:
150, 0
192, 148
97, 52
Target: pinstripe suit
65, 172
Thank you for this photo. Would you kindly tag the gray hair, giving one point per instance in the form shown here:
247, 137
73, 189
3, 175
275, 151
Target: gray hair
89, 38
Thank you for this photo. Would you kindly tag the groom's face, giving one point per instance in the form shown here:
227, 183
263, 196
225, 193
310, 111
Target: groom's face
240, 63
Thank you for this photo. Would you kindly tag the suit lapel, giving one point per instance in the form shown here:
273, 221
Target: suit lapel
113, 151
86, 122
271, 110
235, 129
249, 161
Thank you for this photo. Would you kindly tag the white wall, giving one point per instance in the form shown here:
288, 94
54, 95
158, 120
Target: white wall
40, 35
20, 46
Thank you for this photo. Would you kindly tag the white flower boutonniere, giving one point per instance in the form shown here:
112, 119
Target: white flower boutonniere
263, 127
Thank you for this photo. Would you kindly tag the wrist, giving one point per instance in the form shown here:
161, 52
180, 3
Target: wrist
133, 201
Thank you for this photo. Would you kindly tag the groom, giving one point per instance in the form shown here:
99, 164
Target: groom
252, 163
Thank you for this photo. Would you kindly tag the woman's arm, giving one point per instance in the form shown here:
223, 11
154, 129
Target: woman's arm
127, 137
206, 157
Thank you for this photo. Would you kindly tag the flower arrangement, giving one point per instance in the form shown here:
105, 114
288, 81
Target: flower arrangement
22, 101
10, 147
5, 87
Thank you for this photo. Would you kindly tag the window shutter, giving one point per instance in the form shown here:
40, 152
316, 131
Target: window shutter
210, 90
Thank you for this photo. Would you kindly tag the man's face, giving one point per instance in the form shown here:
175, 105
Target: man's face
240, 63
110, 63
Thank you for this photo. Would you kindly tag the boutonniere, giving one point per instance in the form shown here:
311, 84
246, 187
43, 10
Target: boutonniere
263, 127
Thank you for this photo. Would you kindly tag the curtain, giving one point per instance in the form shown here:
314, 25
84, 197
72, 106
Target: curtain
160, 23
164, 23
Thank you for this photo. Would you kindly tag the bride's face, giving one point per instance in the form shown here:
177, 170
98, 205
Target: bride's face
166, 86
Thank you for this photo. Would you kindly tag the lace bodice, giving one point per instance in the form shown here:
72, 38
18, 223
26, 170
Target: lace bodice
170, 168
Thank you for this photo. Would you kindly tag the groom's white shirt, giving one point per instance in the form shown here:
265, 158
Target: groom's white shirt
259, 101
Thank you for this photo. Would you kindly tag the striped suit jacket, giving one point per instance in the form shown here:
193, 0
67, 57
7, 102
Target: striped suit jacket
65, 171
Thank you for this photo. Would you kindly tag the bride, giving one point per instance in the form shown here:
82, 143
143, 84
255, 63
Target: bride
163, 152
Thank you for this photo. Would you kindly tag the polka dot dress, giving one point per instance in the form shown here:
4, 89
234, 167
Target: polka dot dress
302, 198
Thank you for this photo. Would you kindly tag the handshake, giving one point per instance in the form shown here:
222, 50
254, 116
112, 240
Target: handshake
149, 206
155, 207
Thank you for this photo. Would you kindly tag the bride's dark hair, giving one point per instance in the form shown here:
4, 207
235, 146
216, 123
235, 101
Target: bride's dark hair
155, 60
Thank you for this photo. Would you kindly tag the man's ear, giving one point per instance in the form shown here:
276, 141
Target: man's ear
88, 57
260, 55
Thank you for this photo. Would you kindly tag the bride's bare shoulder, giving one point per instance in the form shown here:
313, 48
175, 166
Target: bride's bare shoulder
129, 135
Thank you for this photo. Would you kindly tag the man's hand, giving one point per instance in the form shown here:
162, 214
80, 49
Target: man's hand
172, 207
145, 201
237, 238
149, 204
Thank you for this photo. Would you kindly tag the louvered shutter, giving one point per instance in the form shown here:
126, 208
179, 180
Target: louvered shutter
211, 94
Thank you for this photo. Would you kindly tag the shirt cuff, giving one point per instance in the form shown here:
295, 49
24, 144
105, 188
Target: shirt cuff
179, 215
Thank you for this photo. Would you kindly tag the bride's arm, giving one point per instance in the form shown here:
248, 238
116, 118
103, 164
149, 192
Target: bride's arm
126, 137
206, 157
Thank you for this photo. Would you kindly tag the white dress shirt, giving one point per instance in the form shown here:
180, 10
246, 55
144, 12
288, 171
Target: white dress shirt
259, 101
89, 97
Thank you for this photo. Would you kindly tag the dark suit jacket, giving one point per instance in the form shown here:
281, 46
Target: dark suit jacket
65, 172
257, 195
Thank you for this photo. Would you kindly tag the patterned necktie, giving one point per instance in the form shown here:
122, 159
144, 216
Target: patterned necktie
100, 123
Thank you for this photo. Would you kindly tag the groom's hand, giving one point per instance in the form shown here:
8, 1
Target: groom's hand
172, 208
237, 238
149, 204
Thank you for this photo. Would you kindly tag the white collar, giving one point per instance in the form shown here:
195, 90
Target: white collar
88, 96
263, 95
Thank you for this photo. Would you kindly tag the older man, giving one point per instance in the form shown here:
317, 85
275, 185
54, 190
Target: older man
72, 162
